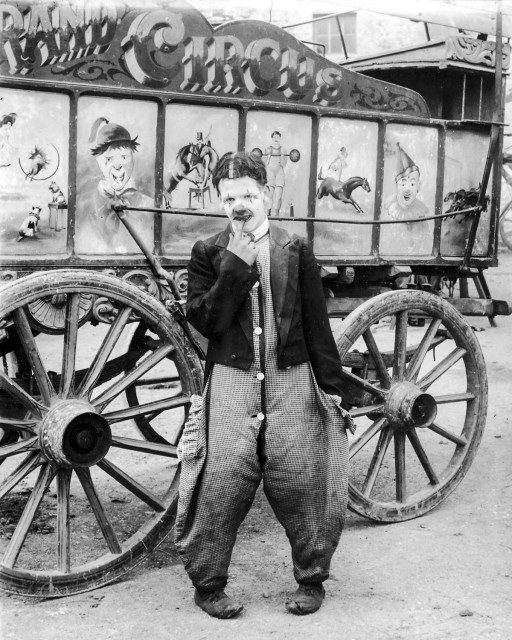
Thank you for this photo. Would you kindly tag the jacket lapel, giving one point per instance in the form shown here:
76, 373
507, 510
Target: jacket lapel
245, 313
284, 275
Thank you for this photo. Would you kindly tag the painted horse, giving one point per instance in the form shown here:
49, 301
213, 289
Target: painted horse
342, 191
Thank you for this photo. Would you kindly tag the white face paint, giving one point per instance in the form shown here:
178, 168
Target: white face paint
116, 165
246, 199
407, 188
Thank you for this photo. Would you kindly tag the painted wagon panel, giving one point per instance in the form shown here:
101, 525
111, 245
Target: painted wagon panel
164, 83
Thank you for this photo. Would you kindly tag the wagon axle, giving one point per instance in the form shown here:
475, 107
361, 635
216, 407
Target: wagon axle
74, 434
408, 407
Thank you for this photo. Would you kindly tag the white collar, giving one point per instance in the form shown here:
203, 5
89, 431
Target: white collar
259, 232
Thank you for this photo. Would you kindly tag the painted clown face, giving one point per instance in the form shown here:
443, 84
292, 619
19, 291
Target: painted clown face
407, 187
116, 165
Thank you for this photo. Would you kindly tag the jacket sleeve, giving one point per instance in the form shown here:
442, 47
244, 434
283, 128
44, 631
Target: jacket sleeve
322, 350
213, 301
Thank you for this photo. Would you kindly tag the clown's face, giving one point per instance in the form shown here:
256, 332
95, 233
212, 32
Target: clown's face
244, 199
116, 165
407, 188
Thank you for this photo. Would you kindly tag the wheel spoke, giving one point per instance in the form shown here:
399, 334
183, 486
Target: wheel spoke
84, 475
20, 394
17, 447
63, 520
27, 517
376, 355
441, 367
34, 357
145, 365
31, 462
22, 426
454, 397
448, 434
356, 412
144, 446
147, 382
104, 351
132, 485
401, 493
151, 407
365, 437
422, 456
70, 340
400, 351
377, 460
422, 350
363, 384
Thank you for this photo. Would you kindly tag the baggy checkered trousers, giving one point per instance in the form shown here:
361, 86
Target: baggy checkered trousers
299, 448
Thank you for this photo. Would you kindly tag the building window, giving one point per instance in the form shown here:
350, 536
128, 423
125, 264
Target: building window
326, 32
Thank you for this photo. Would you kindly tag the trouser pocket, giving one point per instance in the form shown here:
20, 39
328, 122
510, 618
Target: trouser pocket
188, 446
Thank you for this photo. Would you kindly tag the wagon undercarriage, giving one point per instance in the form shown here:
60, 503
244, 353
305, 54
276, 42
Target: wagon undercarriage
96, 407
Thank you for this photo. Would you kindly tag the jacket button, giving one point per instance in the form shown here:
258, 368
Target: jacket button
233, 356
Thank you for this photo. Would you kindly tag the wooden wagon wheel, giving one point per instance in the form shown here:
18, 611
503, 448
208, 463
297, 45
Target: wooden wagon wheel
422, 389
163, 380
80, 474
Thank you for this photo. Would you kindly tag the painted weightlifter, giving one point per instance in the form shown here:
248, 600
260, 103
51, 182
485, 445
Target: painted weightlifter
272, 402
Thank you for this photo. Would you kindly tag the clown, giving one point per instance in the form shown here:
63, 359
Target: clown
404, 204
114, 151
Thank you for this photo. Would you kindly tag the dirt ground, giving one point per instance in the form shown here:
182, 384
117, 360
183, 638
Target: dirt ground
447, 575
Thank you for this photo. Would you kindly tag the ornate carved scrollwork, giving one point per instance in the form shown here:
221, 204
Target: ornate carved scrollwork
181, 279
103, 311
475, 51
48, 315
7, 276
373, 98
144, 281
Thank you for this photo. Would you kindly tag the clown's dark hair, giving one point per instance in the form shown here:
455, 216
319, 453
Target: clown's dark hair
239, 164
115, 144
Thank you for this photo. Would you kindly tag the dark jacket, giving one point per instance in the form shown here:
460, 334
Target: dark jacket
219, 306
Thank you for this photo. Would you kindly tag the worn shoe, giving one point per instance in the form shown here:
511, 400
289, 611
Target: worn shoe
307, 599
217, 604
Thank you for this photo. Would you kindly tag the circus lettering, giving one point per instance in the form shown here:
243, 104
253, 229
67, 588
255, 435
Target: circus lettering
222, 70
175, 49
45, 35
296, 74
168, 31
329, 87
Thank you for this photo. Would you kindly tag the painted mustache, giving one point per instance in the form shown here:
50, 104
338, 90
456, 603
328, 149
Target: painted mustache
242, 214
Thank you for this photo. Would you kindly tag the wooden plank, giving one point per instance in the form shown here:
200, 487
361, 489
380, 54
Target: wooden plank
341, 307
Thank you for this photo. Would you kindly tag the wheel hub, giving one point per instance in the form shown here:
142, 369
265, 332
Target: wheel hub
407, 406
73, 434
